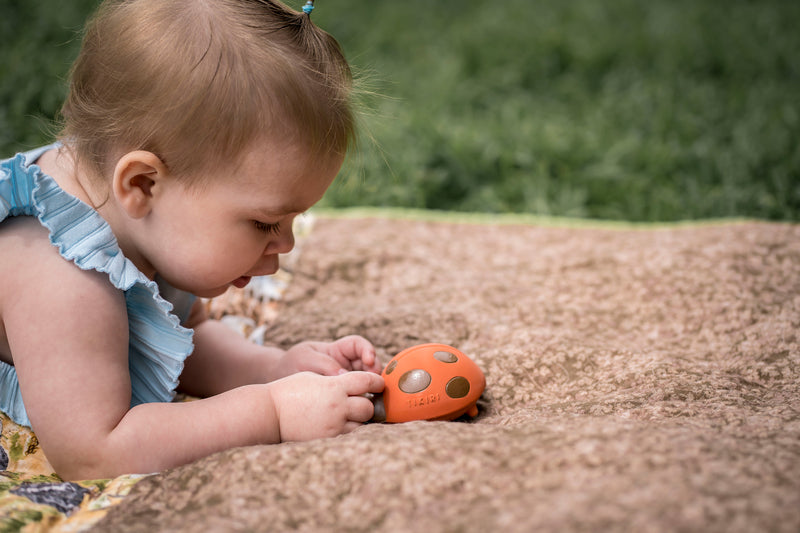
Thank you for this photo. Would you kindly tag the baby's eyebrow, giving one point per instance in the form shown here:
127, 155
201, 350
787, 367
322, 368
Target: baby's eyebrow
280, 212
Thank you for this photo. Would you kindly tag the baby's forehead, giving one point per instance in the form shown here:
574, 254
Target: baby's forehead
289, 158
274, 181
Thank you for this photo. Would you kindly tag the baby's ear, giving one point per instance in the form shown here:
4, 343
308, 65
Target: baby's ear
135, 175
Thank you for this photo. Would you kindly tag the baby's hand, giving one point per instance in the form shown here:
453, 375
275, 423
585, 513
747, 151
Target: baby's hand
331, 358
310, 406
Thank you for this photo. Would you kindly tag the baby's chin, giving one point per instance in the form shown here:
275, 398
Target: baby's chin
210, 293
206, 291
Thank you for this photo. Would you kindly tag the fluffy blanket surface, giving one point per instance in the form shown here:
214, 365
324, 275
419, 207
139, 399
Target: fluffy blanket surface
637, 379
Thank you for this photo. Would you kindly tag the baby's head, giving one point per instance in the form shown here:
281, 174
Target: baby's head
197, 82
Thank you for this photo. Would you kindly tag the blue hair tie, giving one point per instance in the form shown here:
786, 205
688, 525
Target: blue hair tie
309, 7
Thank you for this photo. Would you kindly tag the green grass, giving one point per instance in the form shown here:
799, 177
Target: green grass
39, 41
612, 109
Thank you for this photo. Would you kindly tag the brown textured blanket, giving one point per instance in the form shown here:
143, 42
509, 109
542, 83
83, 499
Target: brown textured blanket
637, 379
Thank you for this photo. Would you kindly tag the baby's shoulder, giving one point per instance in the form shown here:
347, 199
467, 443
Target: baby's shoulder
23, 240
30, 265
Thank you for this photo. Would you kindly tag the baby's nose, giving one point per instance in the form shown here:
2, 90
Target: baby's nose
281, 244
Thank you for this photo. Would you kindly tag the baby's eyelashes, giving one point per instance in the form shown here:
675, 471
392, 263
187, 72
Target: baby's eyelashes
271, 229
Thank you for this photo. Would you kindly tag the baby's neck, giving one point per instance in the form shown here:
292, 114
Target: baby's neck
59, 164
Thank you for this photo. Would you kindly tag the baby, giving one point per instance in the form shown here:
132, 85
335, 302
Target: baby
194, 132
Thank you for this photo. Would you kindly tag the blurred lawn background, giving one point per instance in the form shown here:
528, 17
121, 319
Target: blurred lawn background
606, 109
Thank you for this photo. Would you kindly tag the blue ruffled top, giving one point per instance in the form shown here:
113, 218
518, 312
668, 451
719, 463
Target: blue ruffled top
158, 343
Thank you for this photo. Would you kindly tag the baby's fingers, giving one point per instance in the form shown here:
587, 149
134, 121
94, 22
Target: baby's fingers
359, 351
351, 426
359, 409
359, 383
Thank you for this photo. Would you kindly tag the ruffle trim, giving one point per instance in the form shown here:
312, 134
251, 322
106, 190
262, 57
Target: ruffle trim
158, 344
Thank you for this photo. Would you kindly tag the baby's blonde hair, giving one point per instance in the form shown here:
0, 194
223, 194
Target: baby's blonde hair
197, 81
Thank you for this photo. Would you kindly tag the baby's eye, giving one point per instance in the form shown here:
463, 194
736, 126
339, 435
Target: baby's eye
272, 229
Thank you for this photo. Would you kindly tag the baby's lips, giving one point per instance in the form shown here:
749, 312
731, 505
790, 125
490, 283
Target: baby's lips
241, 283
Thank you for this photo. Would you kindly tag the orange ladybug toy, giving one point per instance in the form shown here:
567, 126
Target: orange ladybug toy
429, 382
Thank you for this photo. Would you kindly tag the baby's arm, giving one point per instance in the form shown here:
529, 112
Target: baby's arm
67, 330
223, 359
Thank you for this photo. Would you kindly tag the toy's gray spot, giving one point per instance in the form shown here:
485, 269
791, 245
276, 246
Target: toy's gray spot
445, 357
391, 367
416, 380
